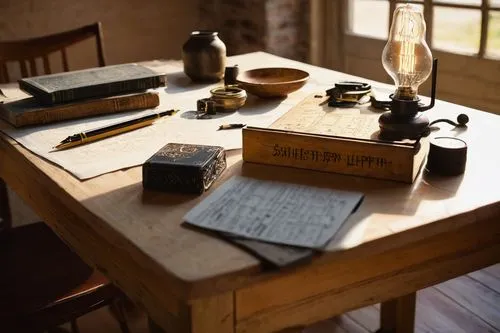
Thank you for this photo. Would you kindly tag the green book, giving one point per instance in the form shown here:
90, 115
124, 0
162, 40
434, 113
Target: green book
91, 83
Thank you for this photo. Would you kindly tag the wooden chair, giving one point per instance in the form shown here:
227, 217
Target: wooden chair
43, 284
25, 52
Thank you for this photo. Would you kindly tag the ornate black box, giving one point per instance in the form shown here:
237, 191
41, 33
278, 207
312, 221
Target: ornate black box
183, 168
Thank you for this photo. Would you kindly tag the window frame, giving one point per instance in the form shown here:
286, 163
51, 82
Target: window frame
464, 79
428, 5
332, 43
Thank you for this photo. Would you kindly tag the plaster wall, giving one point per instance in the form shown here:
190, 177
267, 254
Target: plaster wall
134, 30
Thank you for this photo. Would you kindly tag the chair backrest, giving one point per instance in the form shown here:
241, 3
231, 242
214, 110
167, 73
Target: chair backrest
26, 51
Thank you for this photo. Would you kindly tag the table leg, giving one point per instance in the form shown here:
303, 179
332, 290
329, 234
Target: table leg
398, 315
207, 315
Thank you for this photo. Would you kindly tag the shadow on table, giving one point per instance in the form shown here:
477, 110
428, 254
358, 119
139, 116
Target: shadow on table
257, 105
163, 212
397, 197
381, 196
178, 82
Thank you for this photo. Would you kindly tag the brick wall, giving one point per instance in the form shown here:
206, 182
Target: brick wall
288, 28
280, 27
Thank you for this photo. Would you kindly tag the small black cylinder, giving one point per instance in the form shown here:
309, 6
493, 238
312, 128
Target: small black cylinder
230, 75
447, 156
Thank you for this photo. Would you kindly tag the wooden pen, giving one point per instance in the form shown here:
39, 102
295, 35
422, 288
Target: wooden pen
111, 130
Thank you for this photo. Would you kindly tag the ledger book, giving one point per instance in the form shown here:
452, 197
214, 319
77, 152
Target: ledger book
91, 83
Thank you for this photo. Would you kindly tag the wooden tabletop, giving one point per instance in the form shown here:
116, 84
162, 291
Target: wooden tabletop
137, 239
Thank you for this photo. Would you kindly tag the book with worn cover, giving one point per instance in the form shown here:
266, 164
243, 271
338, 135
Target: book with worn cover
27, 111
183, 168
91, 83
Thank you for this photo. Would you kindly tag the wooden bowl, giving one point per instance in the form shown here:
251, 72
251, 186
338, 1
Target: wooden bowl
272, 82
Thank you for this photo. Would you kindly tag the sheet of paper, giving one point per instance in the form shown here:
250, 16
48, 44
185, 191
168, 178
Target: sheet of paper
275, 212
10, 91
273, 254
133, 148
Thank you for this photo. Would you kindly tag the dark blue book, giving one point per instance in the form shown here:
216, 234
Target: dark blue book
91, 83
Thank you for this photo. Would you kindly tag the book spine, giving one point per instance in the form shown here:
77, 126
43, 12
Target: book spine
88, 109
330, 154
107, 89
42, 96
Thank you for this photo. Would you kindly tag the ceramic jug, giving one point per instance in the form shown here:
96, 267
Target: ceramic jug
204, 56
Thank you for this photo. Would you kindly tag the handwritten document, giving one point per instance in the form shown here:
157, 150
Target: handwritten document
275, 212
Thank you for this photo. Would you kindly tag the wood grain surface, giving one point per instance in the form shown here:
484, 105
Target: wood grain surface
402, 238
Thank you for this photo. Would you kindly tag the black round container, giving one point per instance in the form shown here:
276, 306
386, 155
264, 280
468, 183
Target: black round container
204, 56
447, 156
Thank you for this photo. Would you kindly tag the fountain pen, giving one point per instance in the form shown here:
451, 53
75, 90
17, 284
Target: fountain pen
111, 130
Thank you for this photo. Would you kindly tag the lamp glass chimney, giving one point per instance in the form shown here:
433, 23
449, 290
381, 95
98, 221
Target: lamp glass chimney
406, 56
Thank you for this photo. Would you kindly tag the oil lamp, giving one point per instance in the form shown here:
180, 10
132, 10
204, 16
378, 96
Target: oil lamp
408, 60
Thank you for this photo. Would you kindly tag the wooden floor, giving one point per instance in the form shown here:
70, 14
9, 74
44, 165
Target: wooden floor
468, 304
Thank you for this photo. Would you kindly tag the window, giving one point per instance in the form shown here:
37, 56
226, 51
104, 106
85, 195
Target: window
469, 27
349, 36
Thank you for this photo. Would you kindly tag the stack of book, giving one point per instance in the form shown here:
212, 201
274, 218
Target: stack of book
83, 93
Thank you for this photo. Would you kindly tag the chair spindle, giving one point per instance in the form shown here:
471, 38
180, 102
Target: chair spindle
33, 67
24, 69
64, 60
46, 64
4, 75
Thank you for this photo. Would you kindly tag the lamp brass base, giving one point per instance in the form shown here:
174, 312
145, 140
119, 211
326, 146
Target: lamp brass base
398, 128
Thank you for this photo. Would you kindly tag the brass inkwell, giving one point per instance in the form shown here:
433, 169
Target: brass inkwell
227, 98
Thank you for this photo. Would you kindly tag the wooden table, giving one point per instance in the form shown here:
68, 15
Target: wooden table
411, 237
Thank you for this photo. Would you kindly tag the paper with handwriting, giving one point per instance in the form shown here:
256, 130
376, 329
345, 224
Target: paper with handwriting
275, 212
